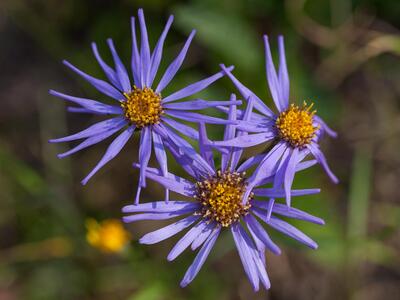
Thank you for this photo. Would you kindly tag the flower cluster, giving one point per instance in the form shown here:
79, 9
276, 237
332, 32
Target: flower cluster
239, 195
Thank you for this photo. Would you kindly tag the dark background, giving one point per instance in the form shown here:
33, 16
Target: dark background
343, 55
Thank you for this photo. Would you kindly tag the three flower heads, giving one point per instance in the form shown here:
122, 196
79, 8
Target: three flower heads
221, 197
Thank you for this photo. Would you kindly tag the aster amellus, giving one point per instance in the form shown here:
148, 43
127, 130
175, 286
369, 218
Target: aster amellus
220, 200
296, 130
140, 105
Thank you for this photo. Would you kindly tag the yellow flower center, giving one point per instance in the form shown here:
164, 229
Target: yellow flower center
295, 125
142, 107
221, 197
108, 236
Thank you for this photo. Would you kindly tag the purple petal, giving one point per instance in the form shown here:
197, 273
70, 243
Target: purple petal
279, 193
245, 256
161, 157
289, 175
273, 82
195, 117
261, 234
245, 141
305, 165
144, 50
156, 216
268, 165
122, 74
255, 126
205, 150
171, 182
108, 71
91, 141
182, 128
199, 104
95, 129
167, 231
251, 162
157, 53
283, 75
135, 62
175, 65
325, 127
160, 207
229, 134
144, 154
203, 235
186, 240
288, 230
112, 151
91, 105
246, 93
260, 267
100, 85
194, 87
200, 258
320, 157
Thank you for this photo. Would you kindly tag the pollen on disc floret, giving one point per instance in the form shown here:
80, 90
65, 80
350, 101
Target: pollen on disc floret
142, 107
221, 197
295, 125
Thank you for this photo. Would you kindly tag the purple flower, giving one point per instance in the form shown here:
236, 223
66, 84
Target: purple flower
139, 106
223, 199
295, 130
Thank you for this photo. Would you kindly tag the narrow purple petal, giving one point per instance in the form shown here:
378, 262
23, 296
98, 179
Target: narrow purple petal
160, 207
283, 75
144, 153
251, 162
199, 104
245, 256
135, 61
200, 258
261, 234
122, 74
279, 193
255, 255
255, 126
205, 149
175, 65
246, 93
203, 236
157, 53
144, 49
320, 157
161, 156
325, 127
100, 85
194, 87
91, 105
91, 141
95, 129
156, 216
195, 117
245, 141
186, 240
305, 165
273, 82
167, 231
112, 151
288, 230
182, 128
229, 134
289, 175
171, 182
108, 71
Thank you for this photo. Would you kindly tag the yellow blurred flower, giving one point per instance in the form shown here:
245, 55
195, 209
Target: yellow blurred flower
109, 235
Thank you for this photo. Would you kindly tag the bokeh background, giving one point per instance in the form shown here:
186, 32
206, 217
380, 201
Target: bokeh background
343, 55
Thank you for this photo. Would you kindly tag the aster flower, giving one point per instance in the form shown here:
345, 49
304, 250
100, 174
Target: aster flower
296, 130
220, 200
139, 106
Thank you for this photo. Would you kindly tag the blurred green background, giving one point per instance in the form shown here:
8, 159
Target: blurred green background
342, 54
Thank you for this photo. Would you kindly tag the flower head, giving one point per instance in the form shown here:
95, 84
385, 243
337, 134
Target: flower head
220, 199
140, 106
109, 236
295, 130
